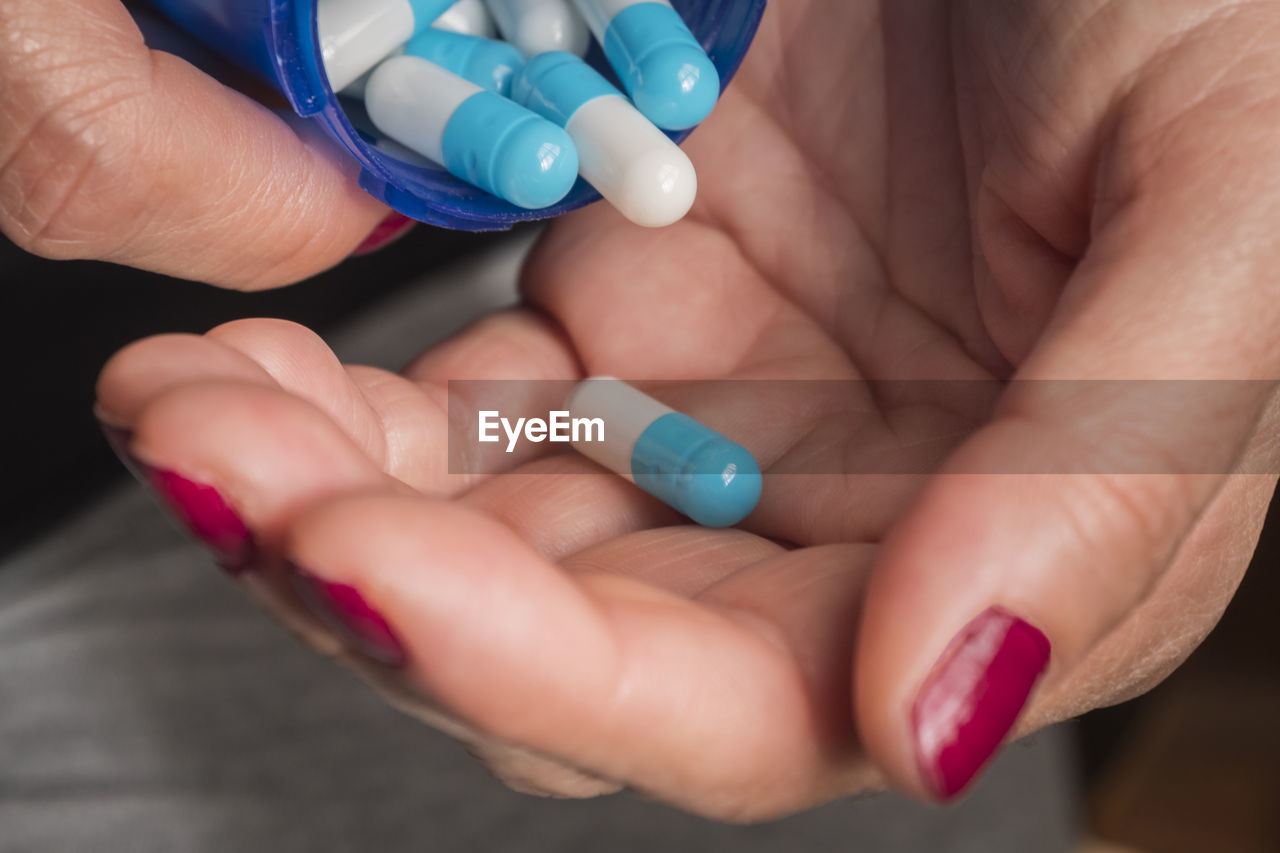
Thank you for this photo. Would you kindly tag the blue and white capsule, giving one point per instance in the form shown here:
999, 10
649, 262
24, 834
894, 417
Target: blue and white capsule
478, 135
537, 26
356, 35
468, 17
661, 65
683, 463
489, 64
635, 166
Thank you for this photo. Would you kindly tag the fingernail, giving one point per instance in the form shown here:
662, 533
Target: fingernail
119, 438
395, 226
208, 517
344, 609
973, 697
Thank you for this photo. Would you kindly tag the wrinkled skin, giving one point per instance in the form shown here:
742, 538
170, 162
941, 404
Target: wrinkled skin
1078, 189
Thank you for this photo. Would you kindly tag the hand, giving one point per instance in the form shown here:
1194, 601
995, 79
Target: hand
1059, 192
111, 151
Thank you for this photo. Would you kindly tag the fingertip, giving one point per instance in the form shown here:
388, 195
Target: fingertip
273, 450
145, 369
951, 645
972, 698
470, 601
347, 612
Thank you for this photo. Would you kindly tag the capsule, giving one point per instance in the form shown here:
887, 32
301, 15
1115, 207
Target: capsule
478, 135
487, 63
635, 166
661, 65
686, 465
537, 26
358, 85
468, 17
356, 35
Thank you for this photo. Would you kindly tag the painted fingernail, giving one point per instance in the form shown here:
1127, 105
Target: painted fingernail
204, 512
973, 697
395, 226
344, 609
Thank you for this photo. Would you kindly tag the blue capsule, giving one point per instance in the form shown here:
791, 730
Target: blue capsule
504, 149
681, 462
662, 66
479, 136
555, 85
487, 63
696, 470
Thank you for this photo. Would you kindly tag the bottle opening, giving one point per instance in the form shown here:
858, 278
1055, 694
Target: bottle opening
423, 190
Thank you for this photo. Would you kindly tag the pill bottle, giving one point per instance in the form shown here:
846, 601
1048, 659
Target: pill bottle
277, 39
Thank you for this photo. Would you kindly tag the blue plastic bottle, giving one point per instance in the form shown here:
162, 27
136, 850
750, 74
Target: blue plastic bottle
278, 40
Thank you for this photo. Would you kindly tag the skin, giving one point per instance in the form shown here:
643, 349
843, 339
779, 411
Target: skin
1071, 190
114, 152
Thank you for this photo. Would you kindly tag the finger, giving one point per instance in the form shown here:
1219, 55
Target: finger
114, 152
145, 369
516, 362
233, 462
565, 503
685, 560
1048, 528
402, 425
264, 455
696, 702
372, 408
739, 346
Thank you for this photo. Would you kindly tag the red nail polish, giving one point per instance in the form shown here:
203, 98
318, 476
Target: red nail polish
343, 608
395, 226
206, 515
973, 697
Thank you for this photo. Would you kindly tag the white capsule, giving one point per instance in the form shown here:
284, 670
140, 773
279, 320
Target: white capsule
477, 135
685, 464
635, 166
358, 85
625, 412
468, 17
537, 26
411, 100
631, 163
356, 35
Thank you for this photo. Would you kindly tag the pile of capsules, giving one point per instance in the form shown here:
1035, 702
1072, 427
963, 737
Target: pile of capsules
522, 118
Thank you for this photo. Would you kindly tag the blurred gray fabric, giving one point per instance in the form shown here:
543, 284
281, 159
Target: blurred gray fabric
145, 705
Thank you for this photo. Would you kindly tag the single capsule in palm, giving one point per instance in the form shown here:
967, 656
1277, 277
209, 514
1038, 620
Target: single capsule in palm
680, 461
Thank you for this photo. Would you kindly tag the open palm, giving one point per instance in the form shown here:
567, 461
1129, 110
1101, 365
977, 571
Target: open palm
954, 192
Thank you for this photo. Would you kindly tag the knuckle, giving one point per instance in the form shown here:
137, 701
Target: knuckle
1147, 514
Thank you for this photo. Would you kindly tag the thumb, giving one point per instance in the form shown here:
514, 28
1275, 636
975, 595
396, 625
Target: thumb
111, 151
993, 582
1046, 529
